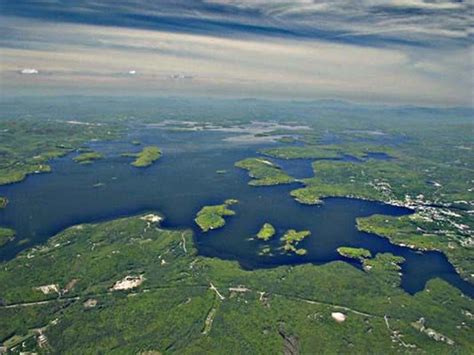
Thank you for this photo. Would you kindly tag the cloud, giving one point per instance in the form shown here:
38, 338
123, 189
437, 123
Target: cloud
432, 5
389, 50
383, 22
78, 57
344, 16
29, 71
181, 77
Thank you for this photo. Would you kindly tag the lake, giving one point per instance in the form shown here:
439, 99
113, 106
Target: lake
184, 180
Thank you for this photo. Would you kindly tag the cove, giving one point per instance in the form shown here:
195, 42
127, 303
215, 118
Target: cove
184, 180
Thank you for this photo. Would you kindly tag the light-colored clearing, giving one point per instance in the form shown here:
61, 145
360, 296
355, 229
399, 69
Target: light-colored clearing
216, 291
152, 218
128, 282
338, 316
47, 289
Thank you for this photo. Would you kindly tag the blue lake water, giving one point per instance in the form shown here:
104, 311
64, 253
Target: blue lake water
184, 180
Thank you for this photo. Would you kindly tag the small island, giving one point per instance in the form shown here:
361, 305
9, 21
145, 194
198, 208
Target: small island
354, 253
6, 235
292, 238
3, 202
88, 158
265, 251
146, 157
384, 262
212, 217
263, 172
266, 232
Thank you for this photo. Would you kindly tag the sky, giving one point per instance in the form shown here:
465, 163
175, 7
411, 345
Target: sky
378, 51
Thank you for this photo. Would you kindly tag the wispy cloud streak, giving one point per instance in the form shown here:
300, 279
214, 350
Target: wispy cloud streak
390, 50
417, 22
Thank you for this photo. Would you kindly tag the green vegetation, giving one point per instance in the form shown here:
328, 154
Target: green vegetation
3, 202
354, 253
306, 152
88, 158
335, 151
146, 157
6, 235
212, 217
418, 232
12, 175
362, 150
300, 251
432, 227
339, 178
264, 172
384, 261
291, 239
285, 308
432, 174
177, 308
266, 232
287, 139
435, 226
386, 265
26, 145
